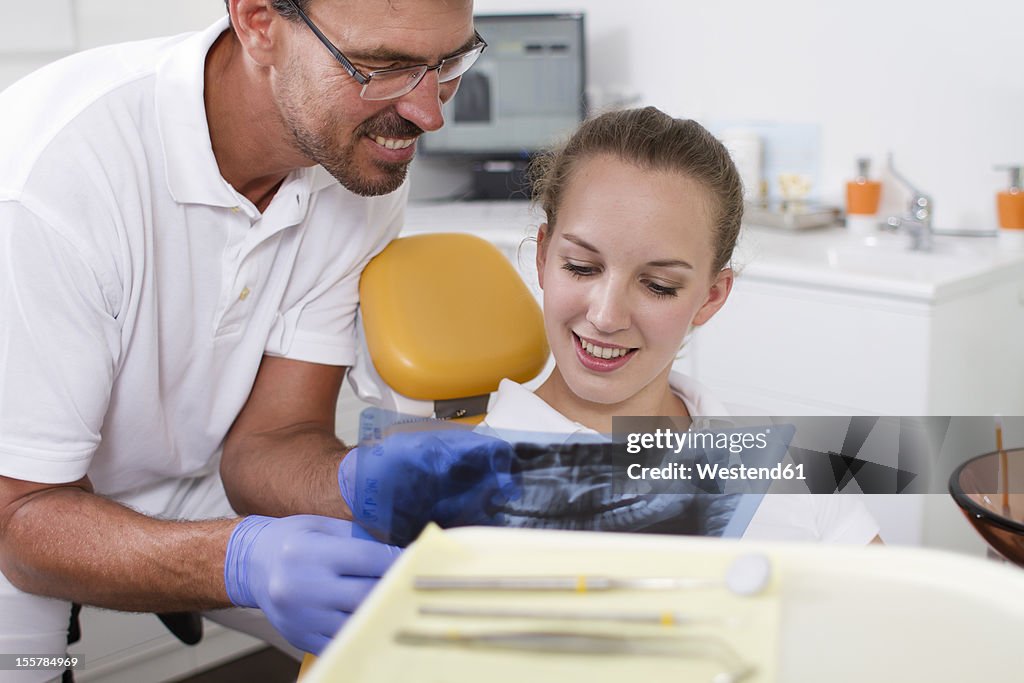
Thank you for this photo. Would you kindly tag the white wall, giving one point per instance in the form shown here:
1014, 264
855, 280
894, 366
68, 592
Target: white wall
33, 34
939, 84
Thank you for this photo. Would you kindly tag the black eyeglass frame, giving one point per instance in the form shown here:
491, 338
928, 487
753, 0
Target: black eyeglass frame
364, 79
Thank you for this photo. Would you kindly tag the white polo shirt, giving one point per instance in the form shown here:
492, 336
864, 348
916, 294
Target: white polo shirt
837, 518
138, 289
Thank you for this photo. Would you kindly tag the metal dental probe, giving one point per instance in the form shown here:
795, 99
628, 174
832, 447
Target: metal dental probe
747, 575
664, 618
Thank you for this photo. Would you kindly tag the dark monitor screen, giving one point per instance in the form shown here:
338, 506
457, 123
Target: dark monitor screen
524, 93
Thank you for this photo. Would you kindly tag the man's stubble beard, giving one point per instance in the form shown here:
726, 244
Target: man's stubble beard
318, 142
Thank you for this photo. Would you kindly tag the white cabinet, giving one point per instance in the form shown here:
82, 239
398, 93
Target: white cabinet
796, 350
902, 342
792, 350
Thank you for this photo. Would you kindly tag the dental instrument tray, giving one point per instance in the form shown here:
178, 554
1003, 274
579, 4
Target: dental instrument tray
790, 215
828, 613
439, 612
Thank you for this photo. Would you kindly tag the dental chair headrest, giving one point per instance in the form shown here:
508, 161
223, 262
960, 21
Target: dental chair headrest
446, 317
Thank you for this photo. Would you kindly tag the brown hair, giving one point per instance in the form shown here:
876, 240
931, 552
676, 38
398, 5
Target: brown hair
652, 140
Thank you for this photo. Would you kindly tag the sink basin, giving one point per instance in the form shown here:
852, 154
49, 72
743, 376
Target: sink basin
880, 257
875, 263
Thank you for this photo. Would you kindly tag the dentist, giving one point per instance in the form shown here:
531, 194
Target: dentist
183, 223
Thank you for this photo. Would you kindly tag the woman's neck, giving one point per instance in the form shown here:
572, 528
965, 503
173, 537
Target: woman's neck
656, 399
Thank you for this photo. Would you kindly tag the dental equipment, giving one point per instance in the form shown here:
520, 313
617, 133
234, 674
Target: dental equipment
748, 575
559, 642
664, 618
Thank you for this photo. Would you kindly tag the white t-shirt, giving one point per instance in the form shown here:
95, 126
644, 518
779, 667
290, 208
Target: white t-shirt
779, 517
139, 290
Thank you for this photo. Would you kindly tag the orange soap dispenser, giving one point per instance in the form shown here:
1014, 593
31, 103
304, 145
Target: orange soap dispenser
1010, 207
862, 198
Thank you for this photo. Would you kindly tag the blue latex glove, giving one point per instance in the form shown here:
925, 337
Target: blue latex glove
451, 477
307, 573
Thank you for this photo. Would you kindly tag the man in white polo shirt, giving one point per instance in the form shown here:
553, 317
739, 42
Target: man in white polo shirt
183, 223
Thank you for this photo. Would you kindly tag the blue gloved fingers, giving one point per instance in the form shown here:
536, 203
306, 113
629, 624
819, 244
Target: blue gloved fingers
346, 595
315, 644
484, 461
352, 557
358, 531
453, 477
356, 557
496, 479
386, 486
508, 475
464, 462
299, 570
312, 631
325, 543
316, 630
469, 508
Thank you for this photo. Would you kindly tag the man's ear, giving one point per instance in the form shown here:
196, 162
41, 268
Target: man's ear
542, 252
717, 295
257, 25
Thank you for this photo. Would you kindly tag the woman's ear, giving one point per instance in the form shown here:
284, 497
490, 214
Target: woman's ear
254, 24
542, 252
717, 295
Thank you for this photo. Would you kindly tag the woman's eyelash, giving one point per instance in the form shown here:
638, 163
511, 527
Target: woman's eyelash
578, 271
661, 290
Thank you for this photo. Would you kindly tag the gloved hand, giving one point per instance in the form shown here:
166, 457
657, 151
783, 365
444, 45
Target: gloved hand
307, 573
451, 477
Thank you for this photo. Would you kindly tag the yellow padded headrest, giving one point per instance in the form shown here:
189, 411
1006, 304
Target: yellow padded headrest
446, 316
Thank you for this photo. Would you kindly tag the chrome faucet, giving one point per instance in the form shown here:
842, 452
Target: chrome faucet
918, 221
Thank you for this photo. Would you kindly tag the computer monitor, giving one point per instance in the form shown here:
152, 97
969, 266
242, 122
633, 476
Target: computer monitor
526, 91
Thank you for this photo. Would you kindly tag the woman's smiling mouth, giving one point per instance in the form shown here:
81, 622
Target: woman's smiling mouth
601, 357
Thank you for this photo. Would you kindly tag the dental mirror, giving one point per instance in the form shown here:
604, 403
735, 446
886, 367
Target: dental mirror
748, 574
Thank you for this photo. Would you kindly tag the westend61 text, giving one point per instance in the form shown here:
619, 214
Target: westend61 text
667, 439
708, 472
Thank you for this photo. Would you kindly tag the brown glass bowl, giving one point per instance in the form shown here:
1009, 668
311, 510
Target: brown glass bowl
974, 487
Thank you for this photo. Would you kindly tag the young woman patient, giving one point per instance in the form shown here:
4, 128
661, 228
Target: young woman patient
642, 215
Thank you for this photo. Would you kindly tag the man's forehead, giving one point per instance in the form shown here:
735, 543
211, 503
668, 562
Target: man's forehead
397, 7
398, 53
403, 30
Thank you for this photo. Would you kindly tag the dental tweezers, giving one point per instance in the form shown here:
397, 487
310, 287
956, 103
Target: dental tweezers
664, 618
565, 642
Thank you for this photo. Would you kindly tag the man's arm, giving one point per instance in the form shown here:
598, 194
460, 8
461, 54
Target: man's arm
281, 456
65, 542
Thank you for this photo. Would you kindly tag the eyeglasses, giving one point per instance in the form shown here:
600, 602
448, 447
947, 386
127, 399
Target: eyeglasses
388, 84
